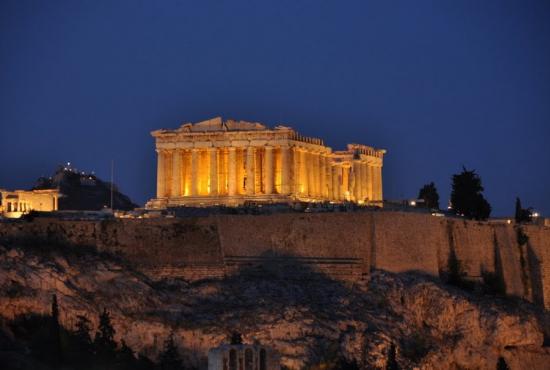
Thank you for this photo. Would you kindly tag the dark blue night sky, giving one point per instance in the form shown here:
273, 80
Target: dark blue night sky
439, 84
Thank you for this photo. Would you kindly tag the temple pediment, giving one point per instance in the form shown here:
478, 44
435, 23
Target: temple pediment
217, 124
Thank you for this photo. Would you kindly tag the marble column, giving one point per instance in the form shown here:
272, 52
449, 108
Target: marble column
304, 178
232, 170
296, 166
322, 176
317, 174
285, 170
336, 182
356, 181
364, 180
194, 172
213, 154
369, 182
176, 173
161, 184
328, 179
268, 168
250, 171
379, 194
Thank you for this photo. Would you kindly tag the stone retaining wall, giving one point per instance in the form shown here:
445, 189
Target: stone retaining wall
342, 245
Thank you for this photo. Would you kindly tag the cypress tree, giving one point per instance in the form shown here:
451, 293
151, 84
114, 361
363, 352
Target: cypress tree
104, 341
55, 333
466, 196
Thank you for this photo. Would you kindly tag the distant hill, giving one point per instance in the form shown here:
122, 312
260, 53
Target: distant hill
83, 191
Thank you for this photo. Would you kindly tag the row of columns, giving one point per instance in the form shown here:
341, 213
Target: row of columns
25, 206
175, 179
252, 170
316, 176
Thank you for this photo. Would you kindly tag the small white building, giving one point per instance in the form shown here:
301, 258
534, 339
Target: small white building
243, 357
14, 204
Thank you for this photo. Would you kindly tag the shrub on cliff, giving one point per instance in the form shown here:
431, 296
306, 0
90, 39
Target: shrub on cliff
391, 363
416, 347
170, 359
466, 196
332, 359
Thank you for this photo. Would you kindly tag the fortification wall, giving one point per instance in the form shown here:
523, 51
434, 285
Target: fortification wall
187, 248
343, 245
538, 262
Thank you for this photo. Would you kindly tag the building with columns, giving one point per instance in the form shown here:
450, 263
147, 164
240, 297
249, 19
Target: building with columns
218, 162
14, 204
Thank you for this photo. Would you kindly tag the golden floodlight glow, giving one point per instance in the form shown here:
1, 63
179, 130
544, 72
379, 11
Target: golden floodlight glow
233, 162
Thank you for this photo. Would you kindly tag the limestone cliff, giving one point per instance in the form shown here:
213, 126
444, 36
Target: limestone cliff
305, 317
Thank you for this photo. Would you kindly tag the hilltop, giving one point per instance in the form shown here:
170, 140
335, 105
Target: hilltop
83, 191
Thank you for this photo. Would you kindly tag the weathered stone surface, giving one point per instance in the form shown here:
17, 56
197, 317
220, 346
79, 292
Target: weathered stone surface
302, 316
342, 245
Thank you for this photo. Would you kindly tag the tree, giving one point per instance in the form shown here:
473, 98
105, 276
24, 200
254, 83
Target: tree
125, 357
104, 341
169, 359
55, 333
502, 365
522, 214
236, 338
82, 332
83, 342
466, 196
430, 196
392, 364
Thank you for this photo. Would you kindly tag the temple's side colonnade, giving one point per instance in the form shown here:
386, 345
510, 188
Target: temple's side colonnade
216, 162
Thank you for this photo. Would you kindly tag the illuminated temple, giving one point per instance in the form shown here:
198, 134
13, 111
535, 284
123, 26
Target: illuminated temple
230, 162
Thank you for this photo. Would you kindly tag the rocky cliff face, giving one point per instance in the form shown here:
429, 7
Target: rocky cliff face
308, 318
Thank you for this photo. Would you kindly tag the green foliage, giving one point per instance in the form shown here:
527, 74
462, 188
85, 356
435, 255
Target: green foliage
502, 365
236, 338
55, 333
430, 196
333, 359
523, 215
521, 237
391, 363
466, 196
170, 359
34, 336
104, 341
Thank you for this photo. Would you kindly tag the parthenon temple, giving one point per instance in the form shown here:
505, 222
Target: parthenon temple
218, 162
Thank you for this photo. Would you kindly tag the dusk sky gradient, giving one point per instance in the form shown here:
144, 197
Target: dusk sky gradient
439, 84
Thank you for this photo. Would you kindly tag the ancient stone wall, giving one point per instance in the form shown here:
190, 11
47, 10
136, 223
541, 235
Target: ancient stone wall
342, 245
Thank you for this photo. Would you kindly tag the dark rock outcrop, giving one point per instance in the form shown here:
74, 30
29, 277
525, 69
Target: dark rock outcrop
84, 191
